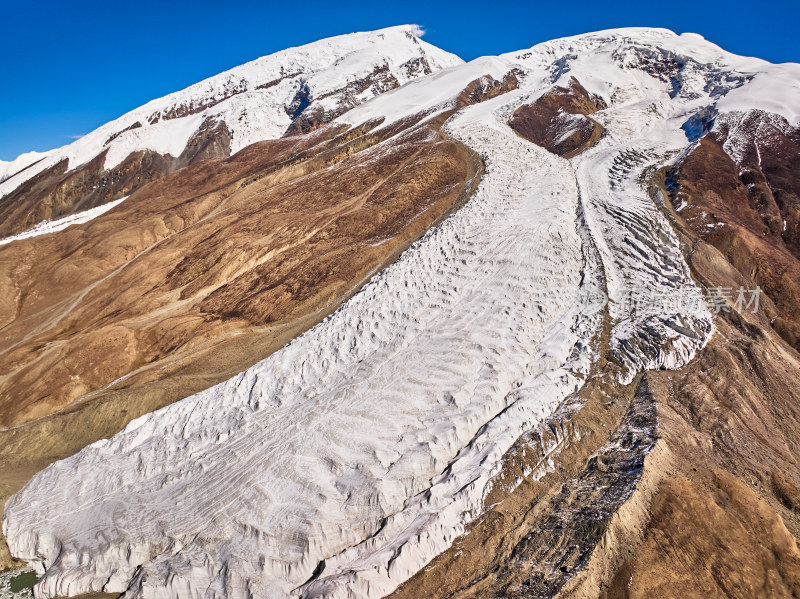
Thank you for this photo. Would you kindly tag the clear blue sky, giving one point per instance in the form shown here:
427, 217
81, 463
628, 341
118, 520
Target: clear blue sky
67, 67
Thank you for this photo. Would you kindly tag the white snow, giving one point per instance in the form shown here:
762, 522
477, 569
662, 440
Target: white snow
342, 464
436, 92
7, 169
252, 114
59, 224
398, 406
775, 89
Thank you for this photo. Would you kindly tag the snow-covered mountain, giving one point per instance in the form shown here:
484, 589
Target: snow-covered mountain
347, 461
9, 168
294, 90
257, 100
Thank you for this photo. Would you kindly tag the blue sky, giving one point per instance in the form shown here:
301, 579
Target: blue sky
67, 67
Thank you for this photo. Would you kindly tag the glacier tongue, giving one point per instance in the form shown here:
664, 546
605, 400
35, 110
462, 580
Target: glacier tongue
396, 407
660, 318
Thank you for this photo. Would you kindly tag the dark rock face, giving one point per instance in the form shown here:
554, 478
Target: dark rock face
557, 121
699, 123
672, 68
749, 208
308, 116
417, 67
488, 87
561, 544
274, 82
212, 140
56, 192
111, 138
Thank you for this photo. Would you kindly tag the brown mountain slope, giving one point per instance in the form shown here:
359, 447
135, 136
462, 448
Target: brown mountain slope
250, 242
58, 192
749, 211
558, 120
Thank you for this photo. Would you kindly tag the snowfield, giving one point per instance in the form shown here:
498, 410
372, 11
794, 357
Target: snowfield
346, 461
254, 100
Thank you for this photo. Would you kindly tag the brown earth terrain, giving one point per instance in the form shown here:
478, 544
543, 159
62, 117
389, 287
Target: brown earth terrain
749, 211
253, 241
202, 273
57, 192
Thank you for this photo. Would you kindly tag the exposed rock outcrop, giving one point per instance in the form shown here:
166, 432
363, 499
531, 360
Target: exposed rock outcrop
739, 190
558, 120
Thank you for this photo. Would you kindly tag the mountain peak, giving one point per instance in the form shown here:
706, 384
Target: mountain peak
292, 91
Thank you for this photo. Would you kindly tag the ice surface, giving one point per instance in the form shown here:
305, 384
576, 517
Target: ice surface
775, 89
342, 464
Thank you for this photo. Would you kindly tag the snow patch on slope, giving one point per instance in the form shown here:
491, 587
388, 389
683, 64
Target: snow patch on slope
59, 224
775, 89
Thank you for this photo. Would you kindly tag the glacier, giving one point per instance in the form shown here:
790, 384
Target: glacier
343, 463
